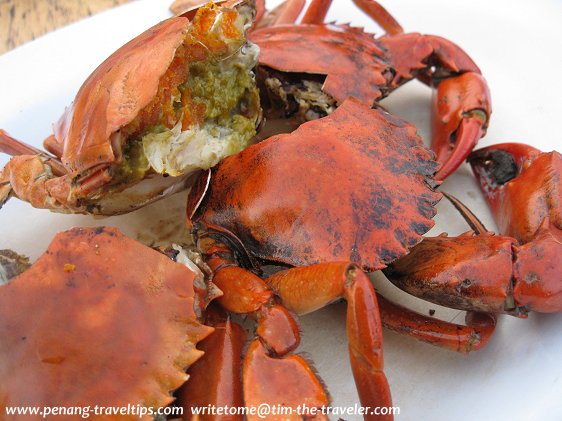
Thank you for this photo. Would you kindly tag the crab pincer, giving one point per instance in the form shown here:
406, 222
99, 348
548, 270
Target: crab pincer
486, 274
522, 186
309, 68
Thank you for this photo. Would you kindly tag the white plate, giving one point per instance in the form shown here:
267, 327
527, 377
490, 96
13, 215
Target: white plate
517, 44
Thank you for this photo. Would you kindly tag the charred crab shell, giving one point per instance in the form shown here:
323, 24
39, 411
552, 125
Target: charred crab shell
369, 193
99, 319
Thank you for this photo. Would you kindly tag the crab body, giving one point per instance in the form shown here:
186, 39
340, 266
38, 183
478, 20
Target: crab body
308, 69
149, 111
278, 202
99, 319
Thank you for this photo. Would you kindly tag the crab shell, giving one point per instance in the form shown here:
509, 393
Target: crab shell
114, 95
99, 319
87, 137
355, 186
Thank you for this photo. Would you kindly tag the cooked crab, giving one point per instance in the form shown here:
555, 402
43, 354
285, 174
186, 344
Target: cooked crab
174, 100
98, 319
308, 67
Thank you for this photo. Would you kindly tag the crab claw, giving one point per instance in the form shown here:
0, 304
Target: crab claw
215, 379
538, 269
462, 108
522, 186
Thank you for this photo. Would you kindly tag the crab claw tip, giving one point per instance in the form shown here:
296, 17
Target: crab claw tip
498, 164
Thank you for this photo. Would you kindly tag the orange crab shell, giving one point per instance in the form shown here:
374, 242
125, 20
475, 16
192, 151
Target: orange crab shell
353, 186
359, 72
99, 319
116, 93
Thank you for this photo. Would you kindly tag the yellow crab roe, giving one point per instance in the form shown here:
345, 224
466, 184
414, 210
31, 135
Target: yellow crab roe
213, 97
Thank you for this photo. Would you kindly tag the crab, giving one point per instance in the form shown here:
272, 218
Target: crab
300, 242
175, 99
323, 258
513, 273
274, 206
98, 320
308, 68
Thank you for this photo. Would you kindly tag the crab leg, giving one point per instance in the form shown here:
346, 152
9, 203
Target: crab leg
316, 12
270, 373
305, 289
14, 147
286, 12
472, 337
379, 14
215, 378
